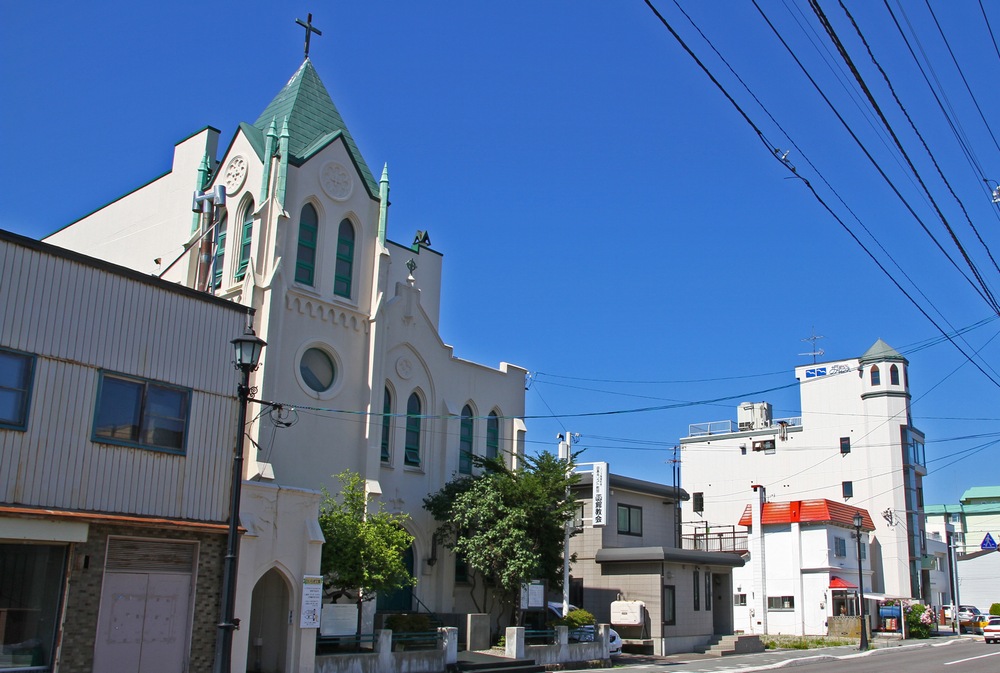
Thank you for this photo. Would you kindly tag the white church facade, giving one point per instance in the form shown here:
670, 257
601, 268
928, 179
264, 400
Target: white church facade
355, 372
854, 443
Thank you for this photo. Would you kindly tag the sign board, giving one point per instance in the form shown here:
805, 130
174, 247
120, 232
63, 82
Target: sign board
988, 543
312, 601
533, 595
600, 494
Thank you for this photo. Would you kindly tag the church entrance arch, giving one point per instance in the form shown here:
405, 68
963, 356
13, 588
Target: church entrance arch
269, 605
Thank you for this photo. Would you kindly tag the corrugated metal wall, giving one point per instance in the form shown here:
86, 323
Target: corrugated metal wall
78, 319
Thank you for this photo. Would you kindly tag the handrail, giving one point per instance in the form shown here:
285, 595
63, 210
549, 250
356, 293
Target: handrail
420, 603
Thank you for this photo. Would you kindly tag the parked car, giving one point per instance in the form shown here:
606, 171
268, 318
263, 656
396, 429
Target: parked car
991, 632
971, 620
585, 634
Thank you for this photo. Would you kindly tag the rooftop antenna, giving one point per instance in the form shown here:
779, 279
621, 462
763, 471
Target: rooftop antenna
816, 352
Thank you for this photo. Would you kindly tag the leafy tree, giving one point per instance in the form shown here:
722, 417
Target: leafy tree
363, 552
507, 525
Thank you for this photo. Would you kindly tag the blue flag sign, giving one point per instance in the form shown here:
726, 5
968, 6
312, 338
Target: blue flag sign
988, 542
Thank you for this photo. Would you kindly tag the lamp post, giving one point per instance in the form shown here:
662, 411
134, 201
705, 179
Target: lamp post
248, 348
858, 521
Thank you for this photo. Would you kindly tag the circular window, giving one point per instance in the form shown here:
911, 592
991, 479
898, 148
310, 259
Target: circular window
317, 370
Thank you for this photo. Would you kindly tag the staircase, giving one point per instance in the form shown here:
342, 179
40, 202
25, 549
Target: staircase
721, 646
476, 662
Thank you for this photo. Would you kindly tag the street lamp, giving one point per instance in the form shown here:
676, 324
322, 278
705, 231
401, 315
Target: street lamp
248, 349
858, 521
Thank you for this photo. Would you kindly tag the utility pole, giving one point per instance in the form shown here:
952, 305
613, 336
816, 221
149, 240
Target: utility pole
566, 454
675, 465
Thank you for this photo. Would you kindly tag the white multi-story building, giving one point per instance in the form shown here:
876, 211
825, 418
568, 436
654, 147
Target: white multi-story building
854, 443
354, 356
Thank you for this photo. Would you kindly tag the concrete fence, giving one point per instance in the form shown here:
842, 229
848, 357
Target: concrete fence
562, 651
384, 660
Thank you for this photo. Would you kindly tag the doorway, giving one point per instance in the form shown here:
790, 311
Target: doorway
269, 624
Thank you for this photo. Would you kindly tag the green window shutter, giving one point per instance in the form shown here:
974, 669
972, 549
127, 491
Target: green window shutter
345, 260
305, 262
412, 447
465, 442
386, 424
220, 251
492, 435
246, 236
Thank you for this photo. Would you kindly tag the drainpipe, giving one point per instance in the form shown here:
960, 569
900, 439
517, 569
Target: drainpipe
757, 554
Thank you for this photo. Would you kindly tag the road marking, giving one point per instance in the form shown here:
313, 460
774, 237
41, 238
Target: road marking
962, 661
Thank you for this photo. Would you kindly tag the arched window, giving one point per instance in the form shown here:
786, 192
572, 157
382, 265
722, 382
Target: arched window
876, 377
894, 375
345, 260
413, 413
465, 441
386, 423
246, 236
220, 250
305, 262
492, 435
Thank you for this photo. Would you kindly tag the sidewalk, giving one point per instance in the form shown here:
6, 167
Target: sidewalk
771, 658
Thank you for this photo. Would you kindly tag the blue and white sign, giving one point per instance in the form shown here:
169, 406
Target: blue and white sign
816, 371
988, 543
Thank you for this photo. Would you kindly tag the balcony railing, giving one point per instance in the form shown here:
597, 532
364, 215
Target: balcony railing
727, 427
729, 541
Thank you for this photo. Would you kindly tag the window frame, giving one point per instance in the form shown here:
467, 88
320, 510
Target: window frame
708, 591
305, 248
630, 510
780, 601
466, 434
669, 605
20, 422
412, 446
893, 375
219, 258
343, 278
696, 593
840, 547
246, 239
698, 502
847, 488
493, 435
739, 600
845, 445
875, 376
385, 443
141, 417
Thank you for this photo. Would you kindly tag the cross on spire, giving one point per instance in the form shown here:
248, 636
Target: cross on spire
310, 29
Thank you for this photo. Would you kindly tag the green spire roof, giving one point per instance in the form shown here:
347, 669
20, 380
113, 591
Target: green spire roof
313, 121
880, 352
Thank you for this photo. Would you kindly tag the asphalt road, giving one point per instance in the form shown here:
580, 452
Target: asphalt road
953, 655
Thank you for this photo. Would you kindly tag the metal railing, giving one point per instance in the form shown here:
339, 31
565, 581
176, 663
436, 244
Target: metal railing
729, 541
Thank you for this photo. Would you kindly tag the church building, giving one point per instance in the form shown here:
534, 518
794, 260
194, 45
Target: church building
292, 222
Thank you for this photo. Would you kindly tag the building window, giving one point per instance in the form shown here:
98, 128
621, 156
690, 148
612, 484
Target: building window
698, 502
461, 570
345, 260
766, 445
413, 413
669, 605
864, 551
465, 433
493, 435
305, 262
876, 377
848, 487
894, 375
740, 600
220, 250
136, 412
781, 602
629, 520
840, 547
31, 581
317, 370
845, 444
578, 517
386, 424
246, 236
16, 373
708, 590
697, 591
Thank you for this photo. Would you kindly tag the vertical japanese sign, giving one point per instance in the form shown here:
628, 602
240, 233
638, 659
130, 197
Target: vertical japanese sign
312, 601
600, 495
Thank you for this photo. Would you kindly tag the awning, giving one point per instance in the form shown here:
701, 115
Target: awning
838, 583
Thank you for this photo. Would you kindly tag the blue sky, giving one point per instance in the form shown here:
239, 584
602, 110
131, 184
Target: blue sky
609, 220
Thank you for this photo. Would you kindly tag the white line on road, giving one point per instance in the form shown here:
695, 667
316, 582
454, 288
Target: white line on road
962, 661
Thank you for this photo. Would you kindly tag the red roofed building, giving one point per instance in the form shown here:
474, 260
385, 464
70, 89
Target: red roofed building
802, 567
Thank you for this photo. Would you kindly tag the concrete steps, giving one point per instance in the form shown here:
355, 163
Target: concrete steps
499, 665
721, 646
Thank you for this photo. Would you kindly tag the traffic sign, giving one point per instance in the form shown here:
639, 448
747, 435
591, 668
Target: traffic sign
988, 543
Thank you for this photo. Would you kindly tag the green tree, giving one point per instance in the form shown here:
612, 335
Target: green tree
507, 525
363, 552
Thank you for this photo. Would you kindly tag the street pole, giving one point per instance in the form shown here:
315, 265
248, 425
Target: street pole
858, 521
566, 453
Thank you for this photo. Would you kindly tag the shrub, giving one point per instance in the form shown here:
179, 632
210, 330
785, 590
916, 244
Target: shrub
575, 619
995, 609
408, 623
919, 619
